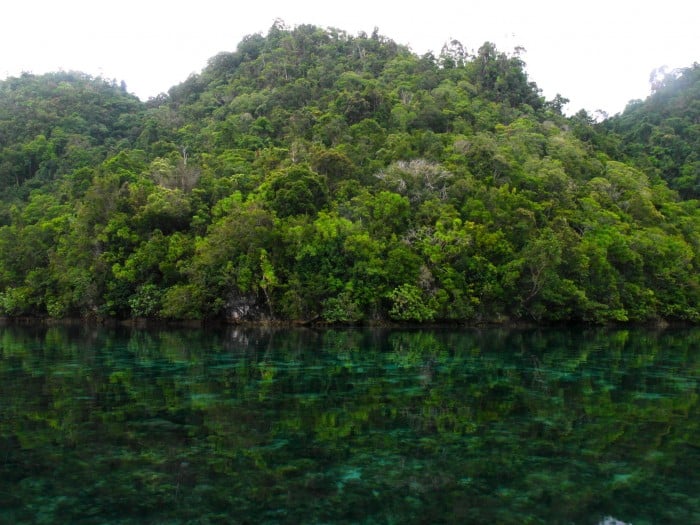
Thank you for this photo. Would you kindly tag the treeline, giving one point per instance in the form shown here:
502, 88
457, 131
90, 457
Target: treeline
315, 175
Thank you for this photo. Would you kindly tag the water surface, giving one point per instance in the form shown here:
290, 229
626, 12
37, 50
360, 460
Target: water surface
119, 426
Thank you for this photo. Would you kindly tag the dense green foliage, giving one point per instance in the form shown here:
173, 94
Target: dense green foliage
312, 174
662, 135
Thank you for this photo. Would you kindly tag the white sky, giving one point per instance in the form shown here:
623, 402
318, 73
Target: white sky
597, 53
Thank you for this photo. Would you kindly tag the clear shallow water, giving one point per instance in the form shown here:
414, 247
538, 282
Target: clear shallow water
349, 426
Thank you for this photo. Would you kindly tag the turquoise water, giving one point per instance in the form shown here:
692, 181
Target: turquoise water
117, 426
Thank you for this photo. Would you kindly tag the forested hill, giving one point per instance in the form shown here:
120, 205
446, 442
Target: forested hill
312, 175
662, 134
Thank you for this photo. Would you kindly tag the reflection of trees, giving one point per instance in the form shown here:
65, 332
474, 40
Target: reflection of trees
479, 425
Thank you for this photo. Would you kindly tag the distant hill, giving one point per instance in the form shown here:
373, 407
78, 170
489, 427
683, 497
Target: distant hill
317, 176
661, 135
52, 124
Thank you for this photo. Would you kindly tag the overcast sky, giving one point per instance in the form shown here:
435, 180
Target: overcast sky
597, 53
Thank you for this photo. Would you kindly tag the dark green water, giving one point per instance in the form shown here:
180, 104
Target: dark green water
349, 426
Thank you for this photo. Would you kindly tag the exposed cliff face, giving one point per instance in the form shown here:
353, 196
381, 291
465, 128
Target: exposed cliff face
246, 308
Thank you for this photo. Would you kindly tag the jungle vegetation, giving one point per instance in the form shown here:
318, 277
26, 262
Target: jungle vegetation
316, 175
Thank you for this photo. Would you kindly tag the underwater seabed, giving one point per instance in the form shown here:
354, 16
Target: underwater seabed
349, 426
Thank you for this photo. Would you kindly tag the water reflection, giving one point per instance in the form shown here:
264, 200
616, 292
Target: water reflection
346, 426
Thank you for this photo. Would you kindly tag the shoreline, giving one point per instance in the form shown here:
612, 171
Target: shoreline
146, 323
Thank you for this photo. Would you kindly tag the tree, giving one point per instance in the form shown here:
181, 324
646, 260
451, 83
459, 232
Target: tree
296, 190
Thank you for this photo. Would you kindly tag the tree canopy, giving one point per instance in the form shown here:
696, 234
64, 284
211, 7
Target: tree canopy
316, 175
